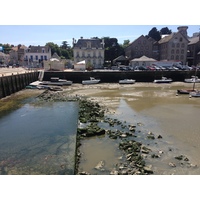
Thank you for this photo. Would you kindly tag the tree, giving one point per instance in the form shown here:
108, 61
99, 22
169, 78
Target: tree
155, 34
65, 45
126, 43
54, 48
165, 30
112, 49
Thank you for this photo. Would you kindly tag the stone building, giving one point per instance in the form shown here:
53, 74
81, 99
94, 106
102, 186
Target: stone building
90, 50
193, 54
142, 46
174, 46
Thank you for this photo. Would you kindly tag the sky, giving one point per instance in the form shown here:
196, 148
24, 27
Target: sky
41, 34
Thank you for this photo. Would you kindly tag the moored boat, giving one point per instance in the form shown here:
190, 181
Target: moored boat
90, 81
56, 81
163, 80
127, 81
194, 94
185, 91
193, 79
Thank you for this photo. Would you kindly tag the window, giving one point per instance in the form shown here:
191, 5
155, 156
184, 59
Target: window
178, 45
172, 51
177, 51
181, 39
36, 57
177, 57
41, 57
182, 51
182, 45
31, 57
45, 57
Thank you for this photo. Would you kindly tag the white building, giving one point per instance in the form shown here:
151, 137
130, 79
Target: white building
34, 55
90, 50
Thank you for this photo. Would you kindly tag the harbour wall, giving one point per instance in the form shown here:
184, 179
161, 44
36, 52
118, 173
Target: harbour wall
14, 83
115, 76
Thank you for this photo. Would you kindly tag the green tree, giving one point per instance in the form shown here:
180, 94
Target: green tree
165, 30
155, 34
126, 43
54, 48
112, 49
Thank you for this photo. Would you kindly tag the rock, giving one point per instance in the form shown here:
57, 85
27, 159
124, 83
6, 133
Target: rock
148, 169
159, 137
114, 172
100, 165
172, 164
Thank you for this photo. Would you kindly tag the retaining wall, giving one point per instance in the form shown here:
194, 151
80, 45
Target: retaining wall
115, 76
14, 83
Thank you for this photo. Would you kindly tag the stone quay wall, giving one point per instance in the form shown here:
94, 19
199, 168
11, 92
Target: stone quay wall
14, 83
115, 76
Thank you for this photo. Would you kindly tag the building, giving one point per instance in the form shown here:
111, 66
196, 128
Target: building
90, 50
193, 54
17, 55
142, 46
34, 55
174, 46
142, 61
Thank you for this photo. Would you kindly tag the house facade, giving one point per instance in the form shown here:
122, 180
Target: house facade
142, 46
34, 55
90, 50
174, 46
193, 53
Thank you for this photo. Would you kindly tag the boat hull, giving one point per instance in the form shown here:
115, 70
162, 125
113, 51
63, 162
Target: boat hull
127, 81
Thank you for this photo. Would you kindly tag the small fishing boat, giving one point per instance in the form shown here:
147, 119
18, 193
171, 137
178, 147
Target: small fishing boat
194, 94
185, 91
193, 79
127, 81
90, 81
163, 80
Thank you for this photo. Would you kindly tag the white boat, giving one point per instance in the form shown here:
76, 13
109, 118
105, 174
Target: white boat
91, 81
57, 81
127, 81
163, 80
193, 79
194, 94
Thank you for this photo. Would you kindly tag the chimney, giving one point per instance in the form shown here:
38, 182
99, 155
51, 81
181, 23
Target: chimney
183, 30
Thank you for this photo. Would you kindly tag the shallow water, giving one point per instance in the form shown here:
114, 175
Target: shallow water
39, 138
161, 111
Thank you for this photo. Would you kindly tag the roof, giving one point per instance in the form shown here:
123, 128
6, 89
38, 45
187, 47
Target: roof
38, 49
193, 40
93, 43
81, 62
120, 58
54, 59
166, 38
144, 58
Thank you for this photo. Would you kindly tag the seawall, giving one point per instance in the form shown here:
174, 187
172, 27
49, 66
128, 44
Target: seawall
14, 83
115, 76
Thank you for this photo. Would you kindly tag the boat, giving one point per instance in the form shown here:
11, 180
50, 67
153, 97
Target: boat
185, 91
127, 81
194, 94
193, 79
33, 85
90, 81
163, 80
56, 81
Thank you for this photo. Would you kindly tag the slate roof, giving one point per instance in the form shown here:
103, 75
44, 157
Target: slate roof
38, 49
95, 43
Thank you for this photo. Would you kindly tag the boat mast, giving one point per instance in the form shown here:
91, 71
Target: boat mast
194, 78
